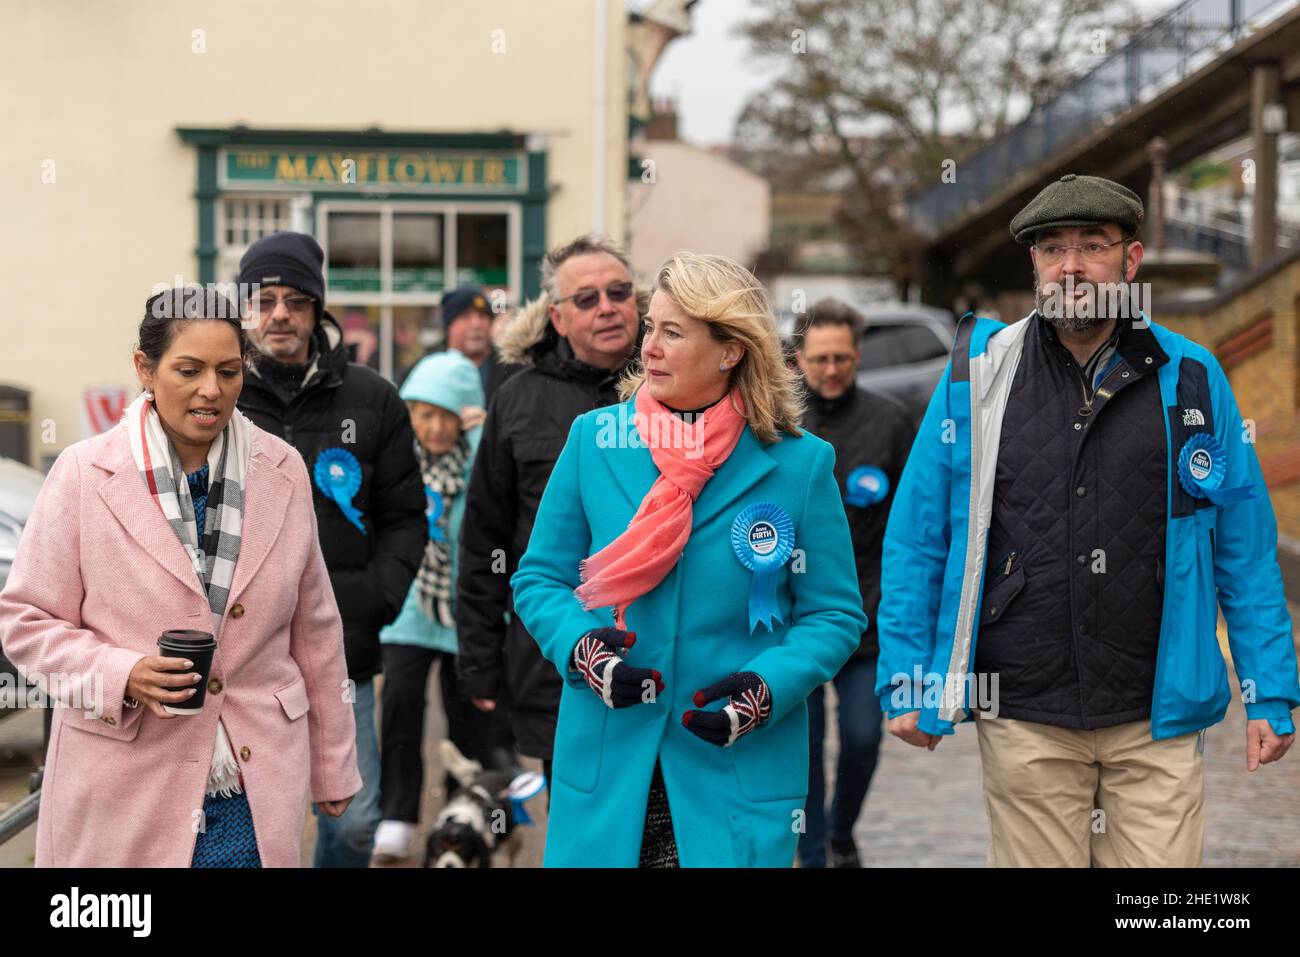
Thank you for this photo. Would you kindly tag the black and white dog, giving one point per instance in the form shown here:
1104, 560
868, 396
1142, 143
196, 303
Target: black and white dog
477, 824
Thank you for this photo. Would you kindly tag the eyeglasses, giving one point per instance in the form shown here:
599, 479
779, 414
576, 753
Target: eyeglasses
1093, 251
839, 360
590, 298
297, 305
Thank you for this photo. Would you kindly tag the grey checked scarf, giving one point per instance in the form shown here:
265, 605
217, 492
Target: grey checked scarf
213, 551
213, 562
444, 474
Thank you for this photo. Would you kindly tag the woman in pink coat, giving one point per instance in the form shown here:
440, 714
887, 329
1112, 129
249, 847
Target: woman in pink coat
183, 516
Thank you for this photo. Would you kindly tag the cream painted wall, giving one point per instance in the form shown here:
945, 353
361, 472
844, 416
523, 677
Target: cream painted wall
100, 88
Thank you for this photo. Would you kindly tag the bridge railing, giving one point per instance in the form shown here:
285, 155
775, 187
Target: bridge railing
1161, 54
21, 815
16, 819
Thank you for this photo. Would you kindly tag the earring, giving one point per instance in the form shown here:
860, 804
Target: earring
722, 367
148, 395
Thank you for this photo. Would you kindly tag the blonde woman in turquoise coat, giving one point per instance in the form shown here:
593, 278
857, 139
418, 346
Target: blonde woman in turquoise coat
691, 577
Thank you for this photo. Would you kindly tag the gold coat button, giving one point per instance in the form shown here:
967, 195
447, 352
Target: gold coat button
245, 753
215, 686
108, 719
236, 610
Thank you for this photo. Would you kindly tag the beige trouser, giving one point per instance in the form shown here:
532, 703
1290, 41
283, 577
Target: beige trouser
1057, 797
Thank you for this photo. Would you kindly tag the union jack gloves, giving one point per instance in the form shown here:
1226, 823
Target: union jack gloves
749, 704
617, 683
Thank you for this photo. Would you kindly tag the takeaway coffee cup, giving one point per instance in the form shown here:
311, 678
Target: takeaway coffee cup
198, 647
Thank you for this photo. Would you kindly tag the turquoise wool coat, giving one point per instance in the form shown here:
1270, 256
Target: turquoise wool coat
739, 806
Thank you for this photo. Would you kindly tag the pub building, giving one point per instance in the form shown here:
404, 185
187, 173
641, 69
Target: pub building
403, 218
429, 146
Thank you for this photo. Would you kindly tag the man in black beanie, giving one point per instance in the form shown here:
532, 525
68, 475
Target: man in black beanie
467, 316
354, 434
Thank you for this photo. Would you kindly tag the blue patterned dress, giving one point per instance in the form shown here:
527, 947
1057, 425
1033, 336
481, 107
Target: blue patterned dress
227, 838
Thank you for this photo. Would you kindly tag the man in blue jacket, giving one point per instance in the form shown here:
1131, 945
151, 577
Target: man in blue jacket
1082, 497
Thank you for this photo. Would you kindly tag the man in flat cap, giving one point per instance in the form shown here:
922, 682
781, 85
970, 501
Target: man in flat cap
1081, 500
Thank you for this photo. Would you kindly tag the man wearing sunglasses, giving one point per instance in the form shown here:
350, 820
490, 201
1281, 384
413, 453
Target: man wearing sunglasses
1081, 500
573, 344
354, 433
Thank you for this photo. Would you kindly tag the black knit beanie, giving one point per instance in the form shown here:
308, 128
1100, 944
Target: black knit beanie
286, 259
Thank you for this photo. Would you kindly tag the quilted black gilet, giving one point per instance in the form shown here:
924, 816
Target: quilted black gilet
1074, 581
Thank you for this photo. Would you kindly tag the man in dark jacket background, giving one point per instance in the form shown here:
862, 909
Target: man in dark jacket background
354, 434
871, 435
574, 343
467, 315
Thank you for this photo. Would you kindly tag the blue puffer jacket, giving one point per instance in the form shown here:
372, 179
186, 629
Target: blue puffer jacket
1217, 556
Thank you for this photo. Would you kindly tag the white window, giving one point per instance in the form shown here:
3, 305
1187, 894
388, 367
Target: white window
242, 221
387, 266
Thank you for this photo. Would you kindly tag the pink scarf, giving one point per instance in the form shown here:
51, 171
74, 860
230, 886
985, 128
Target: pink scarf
686, 456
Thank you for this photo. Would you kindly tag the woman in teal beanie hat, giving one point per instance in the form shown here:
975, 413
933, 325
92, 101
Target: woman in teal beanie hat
444, 394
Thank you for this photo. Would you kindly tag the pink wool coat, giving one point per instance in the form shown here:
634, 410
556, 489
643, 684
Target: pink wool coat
99, 576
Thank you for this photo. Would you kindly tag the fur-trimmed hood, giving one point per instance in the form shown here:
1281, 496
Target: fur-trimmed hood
530, 326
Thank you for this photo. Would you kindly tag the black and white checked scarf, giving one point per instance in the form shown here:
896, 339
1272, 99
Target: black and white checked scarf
444, 474
213, 560
160, 466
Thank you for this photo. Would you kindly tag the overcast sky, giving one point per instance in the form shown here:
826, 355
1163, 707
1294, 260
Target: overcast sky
709, 76
707, 73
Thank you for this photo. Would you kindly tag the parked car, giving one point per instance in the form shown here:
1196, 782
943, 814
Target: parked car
18, 487
904, 350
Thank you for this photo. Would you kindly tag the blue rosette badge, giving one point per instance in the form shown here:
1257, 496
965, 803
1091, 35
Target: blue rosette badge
1201, 469
434, 514
525, 786
338, 476
865, 486
762, 537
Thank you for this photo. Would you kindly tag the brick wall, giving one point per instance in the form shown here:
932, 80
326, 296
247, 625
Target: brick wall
1253, 332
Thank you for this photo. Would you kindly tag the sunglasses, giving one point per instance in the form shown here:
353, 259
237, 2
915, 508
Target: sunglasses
590, 298
298, 305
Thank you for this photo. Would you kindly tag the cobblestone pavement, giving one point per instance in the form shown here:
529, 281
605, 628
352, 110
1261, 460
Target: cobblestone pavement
925, 809
21, 736
533, 837
1252, 818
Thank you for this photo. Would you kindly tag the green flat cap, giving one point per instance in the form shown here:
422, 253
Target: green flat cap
1078, 201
